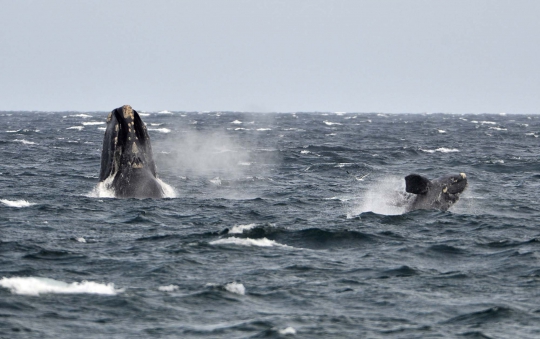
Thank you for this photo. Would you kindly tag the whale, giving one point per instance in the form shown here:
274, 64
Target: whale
438, 194
127, 163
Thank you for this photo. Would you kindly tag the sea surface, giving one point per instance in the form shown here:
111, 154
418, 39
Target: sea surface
278, 226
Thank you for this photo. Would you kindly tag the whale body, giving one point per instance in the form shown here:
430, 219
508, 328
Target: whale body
127, 164
439, 193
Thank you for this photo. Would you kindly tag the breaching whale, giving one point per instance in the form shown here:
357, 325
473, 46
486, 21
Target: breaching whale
127, 164
439, 193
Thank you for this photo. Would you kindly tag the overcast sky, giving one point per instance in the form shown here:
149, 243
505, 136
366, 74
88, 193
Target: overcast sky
468, 56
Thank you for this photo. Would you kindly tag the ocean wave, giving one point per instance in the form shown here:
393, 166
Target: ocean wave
441, 150
90, 123
25, 142
161, 130
85, 116
239, 229
169, 288
235, 288
329, 123
264, 242
80, 128
36, 286
16, 203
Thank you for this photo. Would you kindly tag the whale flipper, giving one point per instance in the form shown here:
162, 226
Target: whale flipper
416, 184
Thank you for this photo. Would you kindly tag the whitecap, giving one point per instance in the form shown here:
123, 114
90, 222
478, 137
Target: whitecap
101, 128
499, 128
329, 123
16, 203
236, 288
305, 152
144, 114
488, 122
441, 131
236, 122
244, 163
26, 142
155, 124
80, 128
81, 239
161, 130
287, 331
36, 286
81, 116
264, 242
241, 228
264, 129
165, 112
169, 288
90, 123
216, 181
441, 149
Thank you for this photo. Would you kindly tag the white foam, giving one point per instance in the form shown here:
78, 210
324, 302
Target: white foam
36, 286
90, 123
81, 116
16, 203
236, 122
247, 242
104, 189
264, 129
81, 239
168, 190
287, 331
329, 123
169, 288
244, 163
499, 128
441, 149
161, 130
488, 122
236, 288
26, 142
164, 112
80, 128
155, 124
239, 229
101, 128
441, 131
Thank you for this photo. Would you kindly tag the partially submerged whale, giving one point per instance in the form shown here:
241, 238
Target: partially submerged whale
127, 164
439, 193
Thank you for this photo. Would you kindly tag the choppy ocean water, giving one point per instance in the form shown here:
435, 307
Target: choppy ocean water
280, 226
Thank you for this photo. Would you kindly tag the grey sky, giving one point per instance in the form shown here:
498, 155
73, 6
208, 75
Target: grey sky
283, 56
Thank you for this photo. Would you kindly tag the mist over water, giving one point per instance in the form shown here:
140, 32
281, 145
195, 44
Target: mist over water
281, 225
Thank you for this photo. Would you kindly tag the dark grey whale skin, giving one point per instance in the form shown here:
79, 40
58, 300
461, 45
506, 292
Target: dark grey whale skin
127, 155
439, 193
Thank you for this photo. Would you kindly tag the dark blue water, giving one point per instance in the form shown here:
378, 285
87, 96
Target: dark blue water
282, 225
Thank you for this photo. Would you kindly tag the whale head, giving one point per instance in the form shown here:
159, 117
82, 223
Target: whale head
127, 156
439, 193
